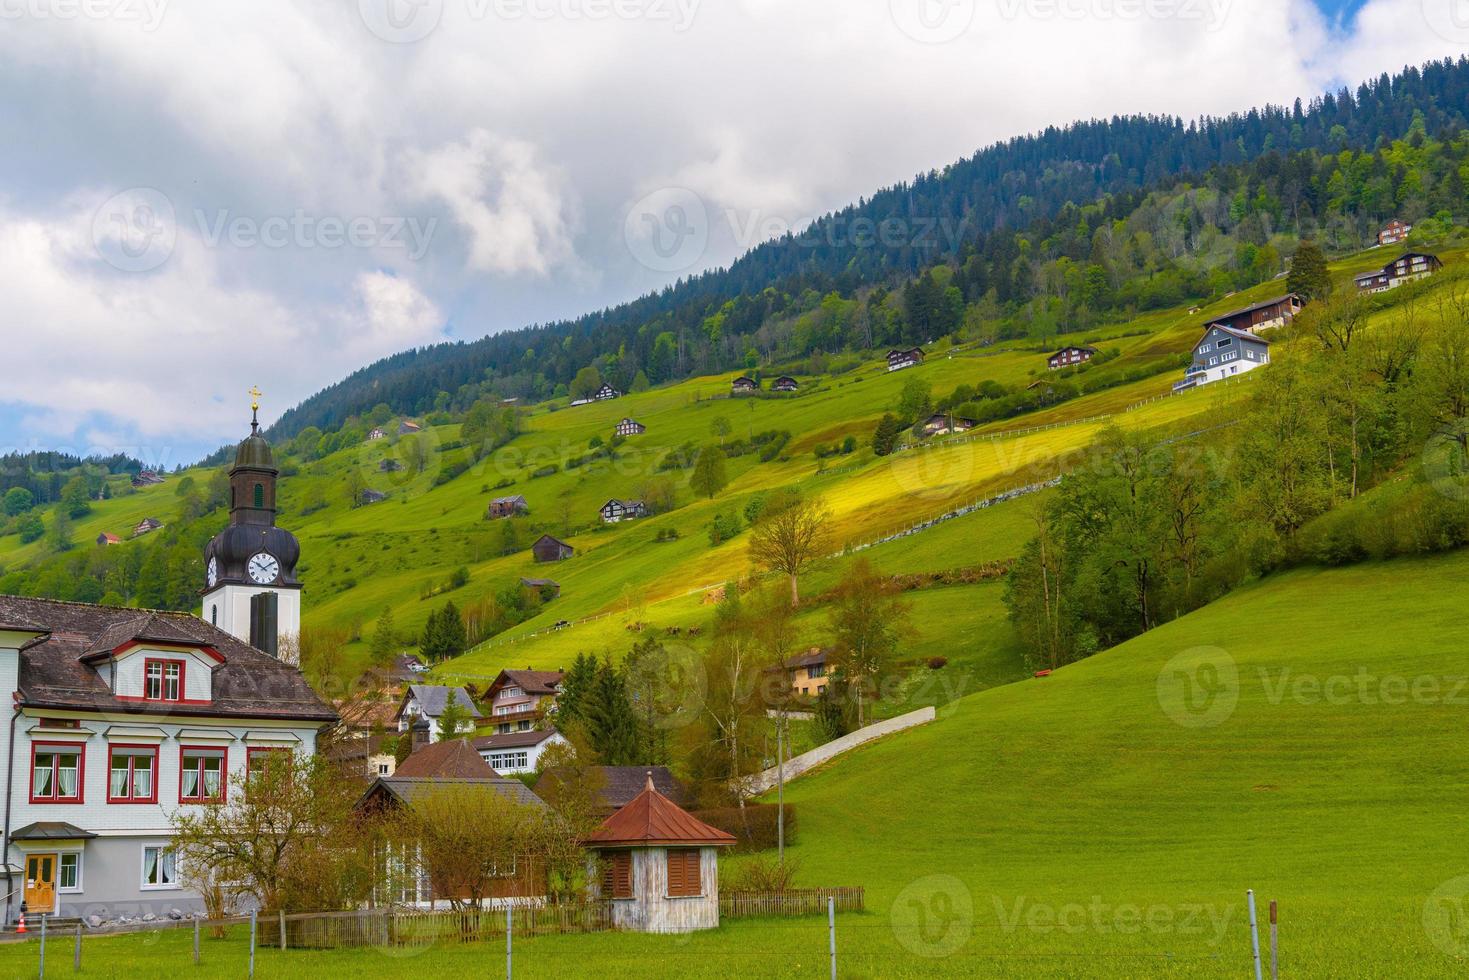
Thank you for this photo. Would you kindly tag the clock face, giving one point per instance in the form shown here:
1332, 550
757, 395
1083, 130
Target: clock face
213, 571
263, 569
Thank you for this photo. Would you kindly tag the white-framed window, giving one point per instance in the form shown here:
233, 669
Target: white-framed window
160, 867
509, 760
510, 692
1225, 342
69, 871
1205, 348
382, 769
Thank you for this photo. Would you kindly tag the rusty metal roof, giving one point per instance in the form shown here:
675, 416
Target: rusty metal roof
653, 820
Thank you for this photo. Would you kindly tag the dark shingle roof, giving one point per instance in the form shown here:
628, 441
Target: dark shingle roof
1250, 309
454, 759
53, 674
543, 682
407, 790
433, 699
513, 740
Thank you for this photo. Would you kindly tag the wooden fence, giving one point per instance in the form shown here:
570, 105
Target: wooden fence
791, 902
398, 927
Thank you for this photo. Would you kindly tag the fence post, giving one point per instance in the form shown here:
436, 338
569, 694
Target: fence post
1274, 965
43, 946
831, 928
509, 965
76, 956
1254, 931
196, 939
283, 930
253, 914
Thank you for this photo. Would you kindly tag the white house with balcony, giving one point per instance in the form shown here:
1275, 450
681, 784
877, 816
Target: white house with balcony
1224, 352
519, 699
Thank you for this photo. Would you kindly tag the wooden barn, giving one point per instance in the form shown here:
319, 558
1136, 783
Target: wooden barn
503, 507
660, 866
785, 384
1070, 356
909, 357
1272, 313
744, 386
549, 549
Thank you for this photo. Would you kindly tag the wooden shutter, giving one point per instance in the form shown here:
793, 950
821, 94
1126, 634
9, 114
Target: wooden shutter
683, 874
617, 875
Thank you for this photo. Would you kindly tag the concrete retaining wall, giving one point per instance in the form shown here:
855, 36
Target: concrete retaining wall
810, 760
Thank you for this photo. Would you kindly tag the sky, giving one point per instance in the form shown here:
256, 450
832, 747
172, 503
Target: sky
199, 198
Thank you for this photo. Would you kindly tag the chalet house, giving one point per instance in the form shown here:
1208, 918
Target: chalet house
807, 673
428, 701
1393, 232
503, 507
617, 511
1070, 357
456, 767
376, 434
548, 589
785, 385
660, 866
900, 359
407, 428
518, 699
549, 549
947, 423
370, 497
124, 717
744, 386
1405, 268
146, 526
1262, 316
146, 478
616, 786
628, 427
517, 752
1223, 353
105, 539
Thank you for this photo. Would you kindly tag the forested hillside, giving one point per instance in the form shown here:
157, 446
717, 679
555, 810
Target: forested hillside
1027, 227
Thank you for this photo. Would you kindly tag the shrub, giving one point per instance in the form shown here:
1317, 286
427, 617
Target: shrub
754, 825
937, 663
764, 875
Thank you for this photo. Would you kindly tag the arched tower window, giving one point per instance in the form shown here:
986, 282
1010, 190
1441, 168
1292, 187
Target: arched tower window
259, 496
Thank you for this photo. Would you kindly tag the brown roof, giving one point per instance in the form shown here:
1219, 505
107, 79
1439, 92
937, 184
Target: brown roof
513, 740
542, 682
814, 657
653, 820
407, 791
454, 759
54, 673
1257, 306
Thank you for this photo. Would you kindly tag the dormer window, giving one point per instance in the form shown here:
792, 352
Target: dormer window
163, 680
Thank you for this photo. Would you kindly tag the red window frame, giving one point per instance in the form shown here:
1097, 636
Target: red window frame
255, 751
224, 772
132, 753
163, 665
81, 751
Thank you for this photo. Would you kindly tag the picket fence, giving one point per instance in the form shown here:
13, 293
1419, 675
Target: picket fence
791, 902
409, 927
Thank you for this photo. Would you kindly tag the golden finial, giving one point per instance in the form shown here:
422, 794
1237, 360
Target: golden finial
254, 394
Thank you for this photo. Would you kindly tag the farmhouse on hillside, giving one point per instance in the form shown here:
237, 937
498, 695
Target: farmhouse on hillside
1393, 232
628, 427
517, 753
428, 701
376, 434
124, 717
660, 866
807, 673
549, 549
407, 428
106, 539
147, 478
369, 497
1271, 313
617, 511
146, 526
519, 699
943, 422
909, 357
744, 386
1405, 268
1070, 356
785, 385
503, 507
1223, 353
546, 588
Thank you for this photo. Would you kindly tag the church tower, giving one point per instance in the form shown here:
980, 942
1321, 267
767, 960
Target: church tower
250, 588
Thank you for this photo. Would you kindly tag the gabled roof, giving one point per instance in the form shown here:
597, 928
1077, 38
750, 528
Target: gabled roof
514, 740
452, 759
548, 538
1258, 306
1083, 349
540, 583
1231, 331
542, 682
433, 698
903, 352
517, 499
814, 657
54, 673
406, 790
625, 504
653, 820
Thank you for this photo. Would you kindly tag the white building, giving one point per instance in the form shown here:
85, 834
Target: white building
517, 752
428, 701
1224, 352
124, 717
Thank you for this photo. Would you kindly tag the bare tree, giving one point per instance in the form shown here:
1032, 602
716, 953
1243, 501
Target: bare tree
790, 539
470, 840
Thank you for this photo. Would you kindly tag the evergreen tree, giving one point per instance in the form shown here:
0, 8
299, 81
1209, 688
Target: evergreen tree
384, 638
608, 719
574, 689
886, 436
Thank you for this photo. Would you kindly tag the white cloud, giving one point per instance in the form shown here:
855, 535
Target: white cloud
527, 138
